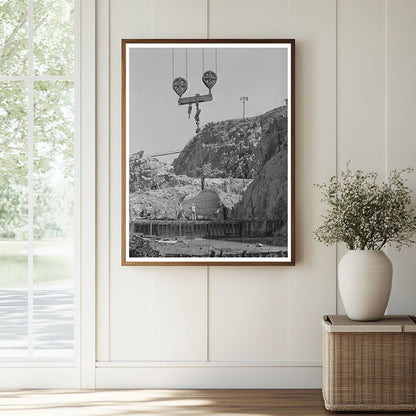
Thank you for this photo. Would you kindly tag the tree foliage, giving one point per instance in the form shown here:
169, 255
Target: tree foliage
53, 37
13, 37
53, 118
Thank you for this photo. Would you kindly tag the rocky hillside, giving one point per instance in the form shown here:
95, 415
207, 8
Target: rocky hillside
150, 173
161, 202
266, 196
155, 189
234, 148
269, 185
243, 160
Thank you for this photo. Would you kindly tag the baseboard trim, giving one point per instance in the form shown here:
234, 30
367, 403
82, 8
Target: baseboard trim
39, 378
204, 364
210, 377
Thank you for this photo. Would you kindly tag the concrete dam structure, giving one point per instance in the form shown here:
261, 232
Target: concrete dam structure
205, 229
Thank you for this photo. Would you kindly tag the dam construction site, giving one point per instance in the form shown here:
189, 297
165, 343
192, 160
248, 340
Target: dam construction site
224, 195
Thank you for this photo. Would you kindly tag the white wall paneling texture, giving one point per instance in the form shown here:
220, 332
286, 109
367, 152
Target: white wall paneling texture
401, 132
361, 88
247, 326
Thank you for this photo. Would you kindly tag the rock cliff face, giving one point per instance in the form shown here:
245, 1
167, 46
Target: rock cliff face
266, 197
234, 148
253, 148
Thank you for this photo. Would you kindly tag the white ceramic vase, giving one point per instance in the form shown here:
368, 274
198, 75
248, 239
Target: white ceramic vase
364, 278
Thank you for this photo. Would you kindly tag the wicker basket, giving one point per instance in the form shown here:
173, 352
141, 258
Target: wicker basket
369, 366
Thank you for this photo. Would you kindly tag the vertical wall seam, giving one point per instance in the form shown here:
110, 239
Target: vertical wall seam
207, 311
386, 96
152, 317
207, 12
108, 181
207, 269
387, 86
336, 141
102, 171
152, 20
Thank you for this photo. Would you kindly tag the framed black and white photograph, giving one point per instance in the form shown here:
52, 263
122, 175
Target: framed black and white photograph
208, 152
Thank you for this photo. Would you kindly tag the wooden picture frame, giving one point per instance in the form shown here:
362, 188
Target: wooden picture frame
208, 152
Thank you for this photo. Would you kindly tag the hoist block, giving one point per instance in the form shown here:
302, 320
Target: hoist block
209, 78
180, 85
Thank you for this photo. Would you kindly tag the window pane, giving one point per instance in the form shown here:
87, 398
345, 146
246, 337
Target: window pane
53, 37
13, 174
54, 170
13, 219
13, 324
53, 197
53, 319
13, 37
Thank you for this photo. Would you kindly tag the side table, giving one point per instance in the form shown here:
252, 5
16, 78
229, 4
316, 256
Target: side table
369, 366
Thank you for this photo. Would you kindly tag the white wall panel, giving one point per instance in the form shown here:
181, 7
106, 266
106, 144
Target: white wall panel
247, 19
361, 89
131, 316
361, 84
155, 313
401, 143
131, 18
179, 19
159, 315
179, 309
158, 18
311, 282
248, 314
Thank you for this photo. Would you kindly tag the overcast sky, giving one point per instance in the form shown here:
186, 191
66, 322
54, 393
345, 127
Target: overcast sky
159, 124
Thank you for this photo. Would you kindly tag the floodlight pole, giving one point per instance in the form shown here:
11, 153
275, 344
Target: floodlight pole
243, 100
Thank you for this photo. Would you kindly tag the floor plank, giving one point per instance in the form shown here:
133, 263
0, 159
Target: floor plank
164, 402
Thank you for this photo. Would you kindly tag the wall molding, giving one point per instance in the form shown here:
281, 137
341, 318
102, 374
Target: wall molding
210, 377
204, 364
88, 188
46, 376
103, 178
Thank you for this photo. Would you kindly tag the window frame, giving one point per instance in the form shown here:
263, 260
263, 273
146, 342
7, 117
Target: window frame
81, 371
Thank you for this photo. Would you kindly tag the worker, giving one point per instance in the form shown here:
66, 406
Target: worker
193, 212
217, 212
224, 212
179, 210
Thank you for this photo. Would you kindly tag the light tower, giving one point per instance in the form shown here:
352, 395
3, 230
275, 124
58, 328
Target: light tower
243, 100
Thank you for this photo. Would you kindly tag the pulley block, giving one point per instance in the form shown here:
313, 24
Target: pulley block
209, 78
180, 85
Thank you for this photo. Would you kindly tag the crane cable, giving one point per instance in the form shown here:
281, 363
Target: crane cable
216, 62
203, 61
173, 64
186, 62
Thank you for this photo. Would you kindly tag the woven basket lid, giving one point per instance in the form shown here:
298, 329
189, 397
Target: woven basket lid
390, 323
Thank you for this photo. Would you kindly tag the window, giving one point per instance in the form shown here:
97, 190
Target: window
38, 185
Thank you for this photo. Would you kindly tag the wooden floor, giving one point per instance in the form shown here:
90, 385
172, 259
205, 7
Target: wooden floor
164, 402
